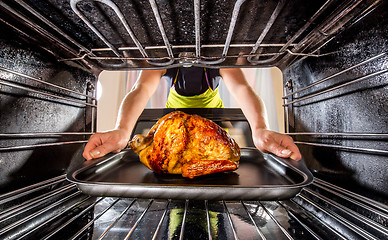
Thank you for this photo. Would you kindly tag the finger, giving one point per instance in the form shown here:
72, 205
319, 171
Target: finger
289, 144
103, 149
278, 150
283, 147
93, 142
296, 155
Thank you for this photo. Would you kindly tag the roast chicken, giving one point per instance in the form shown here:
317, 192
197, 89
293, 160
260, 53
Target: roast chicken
185, 144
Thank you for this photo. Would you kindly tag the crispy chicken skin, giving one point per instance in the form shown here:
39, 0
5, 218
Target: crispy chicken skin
190, 145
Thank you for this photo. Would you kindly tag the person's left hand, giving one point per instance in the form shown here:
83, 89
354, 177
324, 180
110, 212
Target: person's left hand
279, 144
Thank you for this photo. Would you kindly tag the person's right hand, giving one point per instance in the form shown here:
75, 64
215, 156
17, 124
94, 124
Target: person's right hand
103, 143
279, 144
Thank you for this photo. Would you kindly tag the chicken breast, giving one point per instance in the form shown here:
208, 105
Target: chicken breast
190, 145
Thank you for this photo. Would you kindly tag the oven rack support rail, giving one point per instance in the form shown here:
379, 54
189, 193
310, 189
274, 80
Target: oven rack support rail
320, 211
296, 96
73, 97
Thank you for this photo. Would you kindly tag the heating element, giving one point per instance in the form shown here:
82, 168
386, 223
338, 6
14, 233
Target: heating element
198, 46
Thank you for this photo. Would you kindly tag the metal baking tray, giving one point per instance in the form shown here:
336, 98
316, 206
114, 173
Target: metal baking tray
259, 177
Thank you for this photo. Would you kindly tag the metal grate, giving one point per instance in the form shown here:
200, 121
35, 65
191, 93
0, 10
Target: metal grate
321, 211
55, 209
44, 209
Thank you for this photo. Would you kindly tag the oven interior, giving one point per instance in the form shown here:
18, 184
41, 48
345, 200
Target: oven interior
333, 56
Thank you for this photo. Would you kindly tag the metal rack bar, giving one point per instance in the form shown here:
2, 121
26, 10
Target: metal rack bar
301, 223
270, 22
117, 219
184, 220
93, 113
27, 205
209, 231
253, 221
276, 222
27, 36
365, 150
53, 26
73, 4
43, 134
352, 21
343, 220
138, 220
164, 35
232, 45
296, 35
72, 220
69, 208
320, 221
230, 221
233, 21
333, 24
46, 94
197, 18
115, 58
126, 25
319, 32
356, 215
337, 87
94, 219
161, 220
337, 74
30, 189
40, 30
378, 205
127, 28
366, 11
194, 59
129, 31
41, 145
35, 214
286, 110
47, 83
340, 134
308, 23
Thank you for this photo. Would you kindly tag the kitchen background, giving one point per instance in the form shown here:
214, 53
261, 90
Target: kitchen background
114, 85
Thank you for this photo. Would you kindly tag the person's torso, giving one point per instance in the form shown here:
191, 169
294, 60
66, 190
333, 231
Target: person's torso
192, 81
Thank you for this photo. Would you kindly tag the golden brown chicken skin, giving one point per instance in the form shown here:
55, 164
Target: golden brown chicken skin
190, 145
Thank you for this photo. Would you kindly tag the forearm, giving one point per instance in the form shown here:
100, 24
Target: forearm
249, 102
253, 107
130, 110
136, 100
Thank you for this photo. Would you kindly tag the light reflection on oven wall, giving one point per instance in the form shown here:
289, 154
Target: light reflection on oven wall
267, 82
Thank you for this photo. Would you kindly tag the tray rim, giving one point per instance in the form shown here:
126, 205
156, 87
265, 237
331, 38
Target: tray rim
297, 166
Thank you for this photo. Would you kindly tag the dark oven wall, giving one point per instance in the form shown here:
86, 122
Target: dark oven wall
40, 95
345, 93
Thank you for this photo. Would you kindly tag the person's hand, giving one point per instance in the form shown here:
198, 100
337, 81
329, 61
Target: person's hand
279, 144
103, 143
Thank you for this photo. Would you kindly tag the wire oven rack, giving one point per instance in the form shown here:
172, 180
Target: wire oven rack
320, 211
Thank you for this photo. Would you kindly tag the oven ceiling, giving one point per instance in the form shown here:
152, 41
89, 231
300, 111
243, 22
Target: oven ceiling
111, 34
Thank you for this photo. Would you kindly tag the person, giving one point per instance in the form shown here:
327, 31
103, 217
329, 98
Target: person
192, 87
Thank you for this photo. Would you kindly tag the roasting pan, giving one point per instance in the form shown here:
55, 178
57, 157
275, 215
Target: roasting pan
259, 177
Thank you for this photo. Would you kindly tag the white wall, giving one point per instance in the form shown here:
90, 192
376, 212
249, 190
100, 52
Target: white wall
268, 84
110, 90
